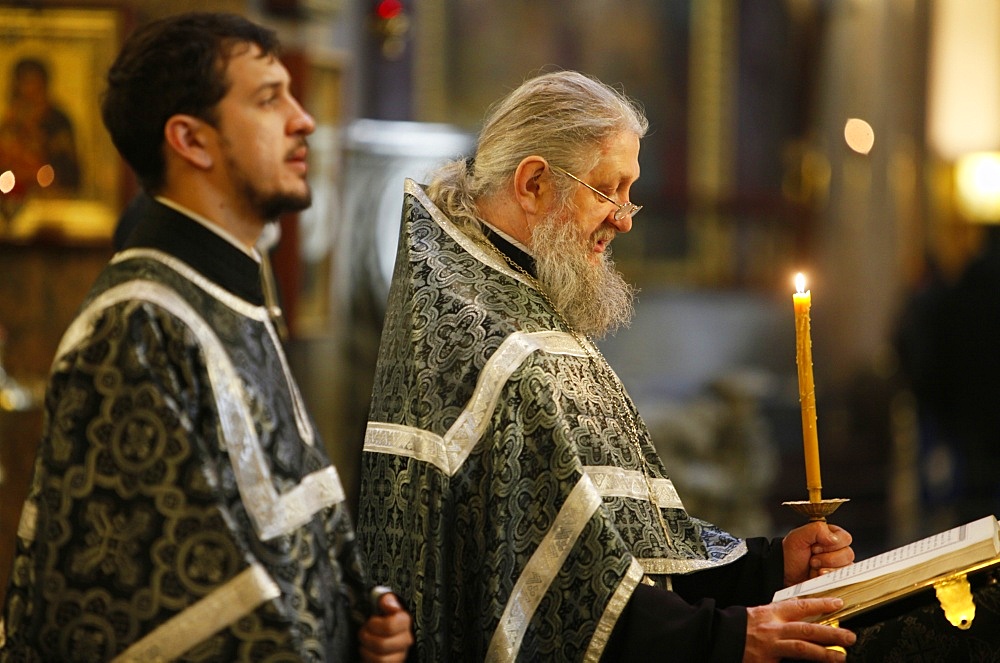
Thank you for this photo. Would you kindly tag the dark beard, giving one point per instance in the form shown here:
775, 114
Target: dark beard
267, 205
274, 205
594, 298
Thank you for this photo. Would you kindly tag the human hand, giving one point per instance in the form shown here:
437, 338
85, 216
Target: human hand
814, 549
776, 631
386, 637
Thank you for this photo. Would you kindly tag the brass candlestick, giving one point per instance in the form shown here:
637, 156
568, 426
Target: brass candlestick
817, 510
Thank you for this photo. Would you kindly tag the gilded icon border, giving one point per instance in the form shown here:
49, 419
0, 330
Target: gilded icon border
75, 47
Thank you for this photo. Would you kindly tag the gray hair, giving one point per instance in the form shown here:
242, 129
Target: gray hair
563, 116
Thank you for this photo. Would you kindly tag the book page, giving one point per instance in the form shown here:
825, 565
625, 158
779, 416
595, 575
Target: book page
898, 559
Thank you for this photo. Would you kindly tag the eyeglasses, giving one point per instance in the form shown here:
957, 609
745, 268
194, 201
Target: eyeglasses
625, 209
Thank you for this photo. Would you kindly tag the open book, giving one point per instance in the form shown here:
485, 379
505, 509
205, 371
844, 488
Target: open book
904, 570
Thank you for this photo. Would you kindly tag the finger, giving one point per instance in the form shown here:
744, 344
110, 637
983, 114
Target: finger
795, 610
803, 641
382, 626
385, 646
826, 540
842, 535
389, 604
830, 538
800, 650
386, 635
820, 634
372, 657
832, 560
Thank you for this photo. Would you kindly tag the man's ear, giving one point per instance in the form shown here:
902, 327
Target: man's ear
531, 188
185, 136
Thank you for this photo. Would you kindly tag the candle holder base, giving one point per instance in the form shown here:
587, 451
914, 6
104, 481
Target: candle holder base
816, 510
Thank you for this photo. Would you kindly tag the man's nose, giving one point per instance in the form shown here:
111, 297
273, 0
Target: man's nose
301, 122
622, 225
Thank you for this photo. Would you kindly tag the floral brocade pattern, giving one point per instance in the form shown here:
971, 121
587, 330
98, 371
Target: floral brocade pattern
456, 544
916, 630
139, 511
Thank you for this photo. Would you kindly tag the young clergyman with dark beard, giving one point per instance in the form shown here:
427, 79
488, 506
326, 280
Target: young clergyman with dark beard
183, 506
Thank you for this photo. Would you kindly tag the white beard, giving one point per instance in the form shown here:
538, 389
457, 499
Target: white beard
594, 298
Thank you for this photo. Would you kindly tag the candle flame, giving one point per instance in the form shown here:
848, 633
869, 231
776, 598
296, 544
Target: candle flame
800, 282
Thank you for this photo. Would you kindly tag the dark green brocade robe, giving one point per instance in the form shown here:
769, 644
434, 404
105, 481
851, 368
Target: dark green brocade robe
183, 507
502, 496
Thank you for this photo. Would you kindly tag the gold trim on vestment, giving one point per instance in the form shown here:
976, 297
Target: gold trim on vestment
473, 247
272, 514
619, 482
541, 569
663, 566
198, 622
242, 307
612, 611
29, 521
449, 452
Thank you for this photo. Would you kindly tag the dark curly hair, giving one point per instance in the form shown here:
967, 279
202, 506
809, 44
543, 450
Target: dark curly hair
174, 65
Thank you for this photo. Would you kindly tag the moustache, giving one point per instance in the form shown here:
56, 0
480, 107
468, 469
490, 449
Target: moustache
604, 234
298, 151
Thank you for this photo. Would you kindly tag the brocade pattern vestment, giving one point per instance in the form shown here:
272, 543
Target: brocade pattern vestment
182, 506
502, 496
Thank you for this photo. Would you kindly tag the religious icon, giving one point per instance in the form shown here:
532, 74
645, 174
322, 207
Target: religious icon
59, 173
37, 142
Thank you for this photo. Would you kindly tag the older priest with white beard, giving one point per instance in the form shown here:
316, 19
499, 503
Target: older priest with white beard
510, 491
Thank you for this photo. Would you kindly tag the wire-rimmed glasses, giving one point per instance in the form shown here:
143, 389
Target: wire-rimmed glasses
627, 208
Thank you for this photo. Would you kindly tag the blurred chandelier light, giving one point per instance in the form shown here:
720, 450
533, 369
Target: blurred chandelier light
977, 186
963, 113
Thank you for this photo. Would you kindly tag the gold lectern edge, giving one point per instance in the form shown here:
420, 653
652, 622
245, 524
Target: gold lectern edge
855, 609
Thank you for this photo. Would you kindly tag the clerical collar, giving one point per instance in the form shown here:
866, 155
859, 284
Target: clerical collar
165, 228
509, 238
510, 247
211, 225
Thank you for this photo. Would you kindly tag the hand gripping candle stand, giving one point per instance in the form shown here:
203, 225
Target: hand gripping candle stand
816, 508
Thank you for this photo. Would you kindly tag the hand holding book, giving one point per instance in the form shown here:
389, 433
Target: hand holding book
893, 574
776, 632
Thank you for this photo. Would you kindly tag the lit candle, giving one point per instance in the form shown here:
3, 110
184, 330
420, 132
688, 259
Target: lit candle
802, 300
